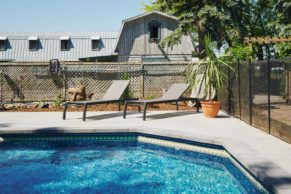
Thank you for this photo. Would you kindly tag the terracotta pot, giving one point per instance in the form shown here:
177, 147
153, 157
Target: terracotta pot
210, 108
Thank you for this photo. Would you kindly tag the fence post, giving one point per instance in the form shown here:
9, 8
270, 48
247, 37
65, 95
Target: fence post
1, 74
269, 90
288, 85
250, 93
239, 86
65, 82
142, 79
229, 91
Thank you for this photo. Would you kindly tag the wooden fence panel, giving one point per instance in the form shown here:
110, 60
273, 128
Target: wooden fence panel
146, 80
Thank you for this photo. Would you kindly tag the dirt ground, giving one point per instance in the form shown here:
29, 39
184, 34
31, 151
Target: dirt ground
104, 107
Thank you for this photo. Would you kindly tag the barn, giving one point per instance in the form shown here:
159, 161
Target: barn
137, 41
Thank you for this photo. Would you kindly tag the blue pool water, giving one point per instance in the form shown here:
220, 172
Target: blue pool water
114, 167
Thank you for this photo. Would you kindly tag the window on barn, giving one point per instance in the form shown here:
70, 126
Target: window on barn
95, 43
3, 43
32, 41
154, 31
65, 43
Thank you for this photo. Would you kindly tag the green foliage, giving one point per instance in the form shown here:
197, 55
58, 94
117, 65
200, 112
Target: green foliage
125, 76
282, 86
40, 103
152, 6
216, 18
172, 39
58, 101
149, 98
226, 22
239, 52
280, 17
127, 93
283, 50
209, 71
58, 81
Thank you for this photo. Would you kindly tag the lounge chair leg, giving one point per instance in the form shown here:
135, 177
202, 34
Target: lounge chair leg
197, 105
144, 111
177, 106
119, 106
124, 110
65, 110
138, 108
84, 112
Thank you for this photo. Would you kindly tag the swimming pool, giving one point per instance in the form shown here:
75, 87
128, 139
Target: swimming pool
128, 163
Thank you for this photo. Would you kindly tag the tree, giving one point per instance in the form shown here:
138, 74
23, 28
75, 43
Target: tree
226, 21
218, 19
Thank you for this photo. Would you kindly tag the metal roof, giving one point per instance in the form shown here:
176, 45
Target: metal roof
59, 34
65, 38
17, 46
33, 38
150, 13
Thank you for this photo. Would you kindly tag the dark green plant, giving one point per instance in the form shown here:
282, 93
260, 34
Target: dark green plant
58, 81
282, 76
40, 103
58, 101
209, 72
227, 22
240, 52
149, 97
127, 94
283, 50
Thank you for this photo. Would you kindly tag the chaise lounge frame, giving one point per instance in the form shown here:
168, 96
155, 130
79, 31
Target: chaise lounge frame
172, 95
113, 95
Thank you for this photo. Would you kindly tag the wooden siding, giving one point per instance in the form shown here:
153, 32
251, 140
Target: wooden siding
134, 40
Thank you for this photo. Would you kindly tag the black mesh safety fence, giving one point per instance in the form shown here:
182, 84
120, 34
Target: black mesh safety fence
259, 93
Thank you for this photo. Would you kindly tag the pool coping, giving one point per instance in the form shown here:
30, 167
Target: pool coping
272, 176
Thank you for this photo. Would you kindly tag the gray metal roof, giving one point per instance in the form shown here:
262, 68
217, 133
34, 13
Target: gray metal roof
59, 34
150, 13
17, 47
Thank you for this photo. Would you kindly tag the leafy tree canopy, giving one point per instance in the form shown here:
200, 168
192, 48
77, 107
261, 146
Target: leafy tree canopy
226, 21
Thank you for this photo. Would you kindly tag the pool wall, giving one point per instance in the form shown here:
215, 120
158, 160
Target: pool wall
175, 143
274, 178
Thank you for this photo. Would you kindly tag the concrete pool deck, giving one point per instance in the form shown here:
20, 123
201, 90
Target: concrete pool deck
267, 157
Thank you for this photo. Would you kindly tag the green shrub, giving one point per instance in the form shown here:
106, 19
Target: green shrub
127, 93
58, 101
149, 97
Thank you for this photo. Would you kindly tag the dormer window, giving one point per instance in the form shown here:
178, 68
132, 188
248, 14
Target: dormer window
32, 41
3, 43
95, 43
65, 43
154, 31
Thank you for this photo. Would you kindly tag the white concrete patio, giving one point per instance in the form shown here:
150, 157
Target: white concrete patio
267, 157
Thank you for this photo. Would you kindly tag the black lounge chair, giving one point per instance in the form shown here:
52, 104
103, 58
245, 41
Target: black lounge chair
173, 94
112, 95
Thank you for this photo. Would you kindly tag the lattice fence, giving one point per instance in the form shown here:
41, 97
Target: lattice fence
31, 81
97, 78
159, 76
36, 84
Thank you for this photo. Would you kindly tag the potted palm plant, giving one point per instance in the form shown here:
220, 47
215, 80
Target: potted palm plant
208, 75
